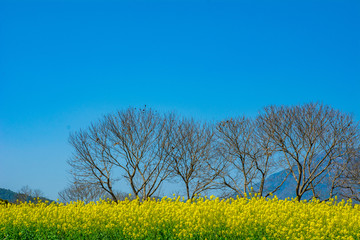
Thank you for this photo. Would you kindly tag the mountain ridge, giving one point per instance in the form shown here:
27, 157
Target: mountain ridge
11, 196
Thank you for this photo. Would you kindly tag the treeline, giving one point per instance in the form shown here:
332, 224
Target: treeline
314, 142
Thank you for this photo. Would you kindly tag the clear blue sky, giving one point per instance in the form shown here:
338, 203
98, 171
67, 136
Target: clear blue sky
66, 63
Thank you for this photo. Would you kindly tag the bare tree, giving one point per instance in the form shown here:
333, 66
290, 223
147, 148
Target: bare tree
194, 160
249, 155
27, 194
140, 148
265, 155
83, 192
236, 146
311, 138
349, 181
91, 161
134, 142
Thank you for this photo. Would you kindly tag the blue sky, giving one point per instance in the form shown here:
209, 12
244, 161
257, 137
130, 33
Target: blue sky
63, 64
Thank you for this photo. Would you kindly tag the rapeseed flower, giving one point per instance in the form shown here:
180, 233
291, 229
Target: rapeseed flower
175, 218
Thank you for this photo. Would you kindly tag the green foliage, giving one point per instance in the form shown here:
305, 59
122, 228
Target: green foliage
43, 232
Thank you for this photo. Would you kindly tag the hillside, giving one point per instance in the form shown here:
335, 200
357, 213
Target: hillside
6, 194
288, 187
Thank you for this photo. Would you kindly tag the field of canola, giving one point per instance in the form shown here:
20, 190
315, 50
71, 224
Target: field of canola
173, 218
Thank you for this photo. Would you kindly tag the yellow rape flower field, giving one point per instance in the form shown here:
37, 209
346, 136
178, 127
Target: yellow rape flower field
174, 218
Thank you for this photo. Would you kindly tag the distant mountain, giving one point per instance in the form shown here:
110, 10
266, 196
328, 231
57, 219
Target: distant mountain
11, 196
6, 194
289, 186
287, 190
